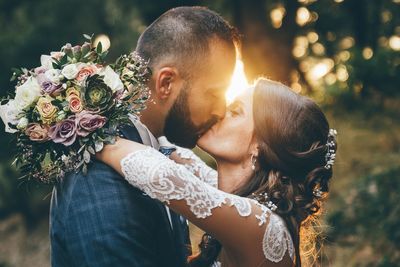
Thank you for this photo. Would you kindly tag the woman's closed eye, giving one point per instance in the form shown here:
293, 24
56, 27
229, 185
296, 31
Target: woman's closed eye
235, 109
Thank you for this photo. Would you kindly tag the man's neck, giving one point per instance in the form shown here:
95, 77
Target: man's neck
153, 120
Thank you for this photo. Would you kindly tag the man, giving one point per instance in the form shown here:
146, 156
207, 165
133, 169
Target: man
99, 219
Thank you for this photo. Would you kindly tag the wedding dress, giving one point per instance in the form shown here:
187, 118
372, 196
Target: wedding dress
196, 184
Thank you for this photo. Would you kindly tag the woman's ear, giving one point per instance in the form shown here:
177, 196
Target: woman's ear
164, 79
254, 147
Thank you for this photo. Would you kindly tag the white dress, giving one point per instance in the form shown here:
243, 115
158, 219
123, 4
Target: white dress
196, 184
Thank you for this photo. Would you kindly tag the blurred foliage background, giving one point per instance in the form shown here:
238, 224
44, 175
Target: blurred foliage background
345, 54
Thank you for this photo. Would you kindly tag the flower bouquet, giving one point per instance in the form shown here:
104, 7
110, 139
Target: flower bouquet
65, 110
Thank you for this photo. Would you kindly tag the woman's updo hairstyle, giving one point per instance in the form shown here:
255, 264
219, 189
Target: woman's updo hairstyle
296, 150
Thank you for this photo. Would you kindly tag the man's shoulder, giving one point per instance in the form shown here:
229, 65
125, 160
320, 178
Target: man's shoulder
99, 176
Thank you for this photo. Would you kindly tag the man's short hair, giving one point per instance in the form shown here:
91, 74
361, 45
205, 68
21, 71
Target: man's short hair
182, 35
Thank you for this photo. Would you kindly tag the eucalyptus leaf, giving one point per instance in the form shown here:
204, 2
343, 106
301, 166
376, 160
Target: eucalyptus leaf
87, 36
98, 146
80, 149
86, 156
91, 150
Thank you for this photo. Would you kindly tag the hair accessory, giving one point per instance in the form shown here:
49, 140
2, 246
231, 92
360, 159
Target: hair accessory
317, 192
263, 199
330, 155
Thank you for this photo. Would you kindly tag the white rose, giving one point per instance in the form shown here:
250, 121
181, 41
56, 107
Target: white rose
112, 79
53, 75
70, 71
9, 114
23, 123
46, 61
27, 93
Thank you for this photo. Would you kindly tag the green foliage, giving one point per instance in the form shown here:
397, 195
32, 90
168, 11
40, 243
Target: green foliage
369, 217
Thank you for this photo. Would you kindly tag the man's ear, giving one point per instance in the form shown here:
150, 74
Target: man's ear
166, 76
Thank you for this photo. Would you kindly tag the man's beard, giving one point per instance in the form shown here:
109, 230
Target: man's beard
179, 128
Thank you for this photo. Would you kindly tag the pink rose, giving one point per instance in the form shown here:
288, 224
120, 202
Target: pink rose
37, 132
85, 72
75, 104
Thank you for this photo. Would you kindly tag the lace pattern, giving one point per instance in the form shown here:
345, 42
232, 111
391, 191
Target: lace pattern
277, 240
198, 167
163, 179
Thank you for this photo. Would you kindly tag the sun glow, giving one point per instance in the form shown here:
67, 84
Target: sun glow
238, 84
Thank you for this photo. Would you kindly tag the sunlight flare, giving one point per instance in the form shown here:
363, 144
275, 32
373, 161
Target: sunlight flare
238, 84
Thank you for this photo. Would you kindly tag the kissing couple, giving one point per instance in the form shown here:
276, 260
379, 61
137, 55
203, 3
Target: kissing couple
274, 151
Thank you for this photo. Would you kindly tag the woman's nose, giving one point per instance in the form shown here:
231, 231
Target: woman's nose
220, 110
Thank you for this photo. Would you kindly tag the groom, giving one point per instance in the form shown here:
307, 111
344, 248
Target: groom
101, 220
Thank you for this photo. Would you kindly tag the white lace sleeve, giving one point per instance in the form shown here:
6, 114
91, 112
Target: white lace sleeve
197, 166
163, 179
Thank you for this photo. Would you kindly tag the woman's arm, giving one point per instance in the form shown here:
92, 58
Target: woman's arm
240, 224
192, 162
195, 165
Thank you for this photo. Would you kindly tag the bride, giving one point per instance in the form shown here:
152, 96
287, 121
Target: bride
274, 151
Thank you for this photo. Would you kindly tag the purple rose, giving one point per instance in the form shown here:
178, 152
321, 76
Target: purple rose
47, 86
64, 132
88, 122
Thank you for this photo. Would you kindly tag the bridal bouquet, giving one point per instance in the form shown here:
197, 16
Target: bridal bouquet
65, 110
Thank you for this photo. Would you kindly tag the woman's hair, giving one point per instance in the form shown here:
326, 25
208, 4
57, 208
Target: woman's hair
292, 134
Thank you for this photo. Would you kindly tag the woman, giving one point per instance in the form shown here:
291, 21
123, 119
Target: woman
274, 153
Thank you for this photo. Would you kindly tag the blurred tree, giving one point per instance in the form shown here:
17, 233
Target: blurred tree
368, 218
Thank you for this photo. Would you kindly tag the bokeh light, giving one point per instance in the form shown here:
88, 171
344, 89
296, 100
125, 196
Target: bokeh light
303, 16
394, 42
104, 40
320, 69
367, 53
347, 42
277, 14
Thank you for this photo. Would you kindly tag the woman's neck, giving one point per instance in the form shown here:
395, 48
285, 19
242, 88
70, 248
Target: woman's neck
231, 176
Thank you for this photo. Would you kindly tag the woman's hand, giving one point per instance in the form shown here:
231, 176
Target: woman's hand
113, 154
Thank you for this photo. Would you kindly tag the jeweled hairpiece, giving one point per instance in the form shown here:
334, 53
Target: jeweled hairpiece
330, 155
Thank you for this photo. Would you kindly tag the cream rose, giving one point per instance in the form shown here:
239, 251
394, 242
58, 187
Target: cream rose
9, 114
27, 93
46, 109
